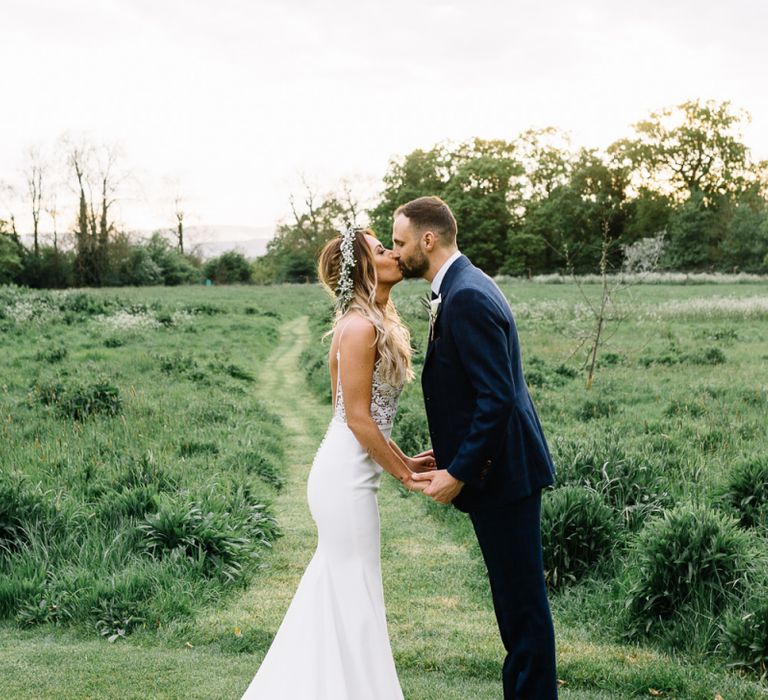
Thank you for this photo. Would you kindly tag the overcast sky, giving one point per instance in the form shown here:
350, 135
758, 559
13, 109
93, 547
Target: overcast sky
230, 100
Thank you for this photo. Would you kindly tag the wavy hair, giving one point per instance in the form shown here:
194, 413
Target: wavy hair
393, 340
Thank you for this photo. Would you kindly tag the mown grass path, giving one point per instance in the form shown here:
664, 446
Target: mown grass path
441, 623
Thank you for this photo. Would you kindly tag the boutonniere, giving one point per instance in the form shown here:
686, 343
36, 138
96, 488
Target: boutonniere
433, 307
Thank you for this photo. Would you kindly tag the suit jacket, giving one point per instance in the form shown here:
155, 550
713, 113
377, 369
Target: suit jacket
482, 421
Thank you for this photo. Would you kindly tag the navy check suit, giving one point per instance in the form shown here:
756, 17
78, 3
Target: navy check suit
485, 431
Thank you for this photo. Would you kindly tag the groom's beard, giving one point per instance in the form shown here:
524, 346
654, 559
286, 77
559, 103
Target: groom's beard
415, 267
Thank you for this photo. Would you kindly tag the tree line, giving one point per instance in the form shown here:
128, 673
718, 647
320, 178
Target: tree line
93, 250
537, 204
534, 204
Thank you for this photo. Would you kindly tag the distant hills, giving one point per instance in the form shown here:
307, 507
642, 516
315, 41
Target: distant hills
211, 241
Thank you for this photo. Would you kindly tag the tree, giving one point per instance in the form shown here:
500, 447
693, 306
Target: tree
228, 268
10, 255
178, 210
417, 174
96, 173
482, 192
566, 228
34, 173
292, 254
745, 244
694, 147
547, 158
691, 240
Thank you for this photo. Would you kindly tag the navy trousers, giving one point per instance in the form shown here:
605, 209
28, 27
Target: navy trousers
510, 539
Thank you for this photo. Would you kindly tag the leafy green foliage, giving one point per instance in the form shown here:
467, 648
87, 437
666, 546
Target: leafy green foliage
746, 634
578, 529
747, 491
686, 568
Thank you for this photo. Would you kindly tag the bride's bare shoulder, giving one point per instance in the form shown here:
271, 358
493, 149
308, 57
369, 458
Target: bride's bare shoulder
356, 331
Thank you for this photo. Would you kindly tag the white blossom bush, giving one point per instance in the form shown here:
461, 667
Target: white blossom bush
126, 321
754, 307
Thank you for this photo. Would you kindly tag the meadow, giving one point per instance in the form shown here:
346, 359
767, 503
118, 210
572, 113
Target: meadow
153, 521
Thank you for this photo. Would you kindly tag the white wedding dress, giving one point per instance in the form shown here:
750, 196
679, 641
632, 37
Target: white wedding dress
333, 642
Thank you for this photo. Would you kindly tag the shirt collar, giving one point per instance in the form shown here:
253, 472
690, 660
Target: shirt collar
438, 280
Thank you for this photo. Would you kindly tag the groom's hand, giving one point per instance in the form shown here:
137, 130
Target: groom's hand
442, 487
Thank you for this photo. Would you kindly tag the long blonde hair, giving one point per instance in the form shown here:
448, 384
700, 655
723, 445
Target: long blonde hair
393, 340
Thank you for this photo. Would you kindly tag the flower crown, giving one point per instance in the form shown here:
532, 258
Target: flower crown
345, 289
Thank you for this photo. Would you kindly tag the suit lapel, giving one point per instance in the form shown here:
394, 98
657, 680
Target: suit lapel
445, 287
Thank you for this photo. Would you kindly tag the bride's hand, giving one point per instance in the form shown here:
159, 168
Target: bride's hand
412, 485
424, 462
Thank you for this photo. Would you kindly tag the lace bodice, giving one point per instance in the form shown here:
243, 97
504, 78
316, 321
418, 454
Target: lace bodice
384, 397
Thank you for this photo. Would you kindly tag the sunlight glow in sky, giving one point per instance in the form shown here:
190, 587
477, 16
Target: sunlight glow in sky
230, 101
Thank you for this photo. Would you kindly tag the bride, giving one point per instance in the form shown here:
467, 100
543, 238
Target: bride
333, 642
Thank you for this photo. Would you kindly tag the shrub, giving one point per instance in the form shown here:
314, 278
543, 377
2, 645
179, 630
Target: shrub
182, 365
78, 401
99, 397
539, 373
747, 491
598, 407
18, 508
53, 353
695, 408
685, 568
707, 356
578, 530
217, 532
411, 431
190, 448
257, 462
228, 268
632, 483
746, 634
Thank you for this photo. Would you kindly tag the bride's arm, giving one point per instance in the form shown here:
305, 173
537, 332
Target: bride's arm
356, 364
420, 463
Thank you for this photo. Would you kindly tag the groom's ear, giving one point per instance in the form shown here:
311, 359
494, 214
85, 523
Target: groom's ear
429, 239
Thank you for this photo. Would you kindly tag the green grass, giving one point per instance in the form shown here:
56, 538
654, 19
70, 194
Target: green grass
688, 420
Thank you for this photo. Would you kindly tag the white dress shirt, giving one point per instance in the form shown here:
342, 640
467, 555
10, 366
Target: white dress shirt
438, 279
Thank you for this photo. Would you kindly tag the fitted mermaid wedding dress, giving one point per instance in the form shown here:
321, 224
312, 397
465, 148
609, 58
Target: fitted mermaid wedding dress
333, 642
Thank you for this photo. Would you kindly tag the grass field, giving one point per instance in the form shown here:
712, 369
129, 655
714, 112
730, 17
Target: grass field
122, 406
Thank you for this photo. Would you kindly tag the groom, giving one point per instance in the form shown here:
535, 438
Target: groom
486, 435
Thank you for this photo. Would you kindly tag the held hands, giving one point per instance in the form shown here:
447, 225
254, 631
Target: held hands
439, 485
422, 462
436, 483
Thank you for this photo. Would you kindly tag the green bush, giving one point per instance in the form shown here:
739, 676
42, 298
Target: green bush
747, 491
578, 529
228, 268
19, 506
633, 483
598, 407
259, 462
684, 569
78, 400
219, 532
411, 431
539, 373
707, 356
746, 636
53, 353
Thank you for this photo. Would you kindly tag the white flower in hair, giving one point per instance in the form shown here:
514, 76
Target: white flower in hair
345, 289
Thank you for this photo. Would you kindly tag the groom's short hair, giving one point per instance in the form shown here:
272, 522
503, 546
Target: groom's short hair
431, 213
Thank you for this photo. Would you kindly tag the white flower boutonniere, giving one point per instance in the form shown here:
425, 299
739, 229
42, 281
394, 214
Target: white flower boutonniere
433, 307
